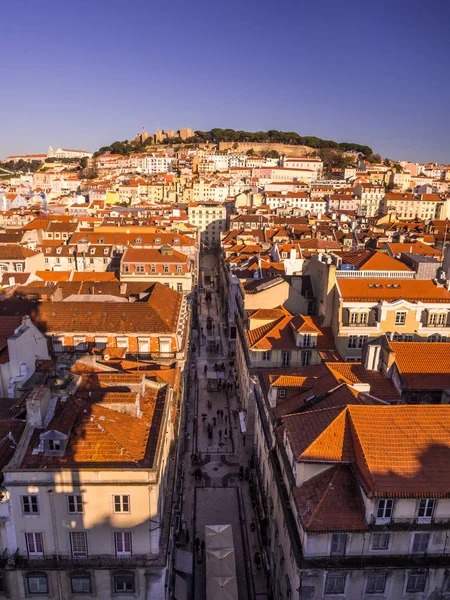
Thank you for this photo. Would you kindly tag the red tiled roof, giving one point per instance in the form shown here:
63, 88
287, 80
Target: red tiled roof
331, 501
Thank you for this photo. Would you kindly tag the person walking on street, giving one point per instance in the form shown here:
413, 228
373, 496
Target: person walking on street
218, 412
220, 434
205, 370
243, 438
226, 418
197, 543
214, 419
202, 546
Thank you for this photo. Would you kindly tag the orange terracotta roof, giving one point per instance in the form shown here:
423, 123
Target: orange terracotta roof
373, 290
331, 501
416, 373
353, 372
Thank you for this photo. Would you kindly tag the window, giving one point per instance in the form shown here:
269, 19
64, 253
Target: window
75, 503
54, 445
335, 583
306, 340
400, 318
35, 547
80, 583
380, 541
416, 581
442, 319
179, 269
30, 505
179, 287
79, 343
123, 543
122, 342
126, 268
152, 269
353, 318
286, 359
139, 269
426, 510
121, 504
384, 511
376, 583
166, 268
420, 542
282, 393
338, 544
352, 341
362, 340
78, 543
267, 355
306, 358
37, 583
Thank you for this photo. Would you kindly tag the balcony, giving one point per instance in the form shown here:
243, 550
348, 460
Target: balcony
411, 524
378, 561
52, 561
368, 324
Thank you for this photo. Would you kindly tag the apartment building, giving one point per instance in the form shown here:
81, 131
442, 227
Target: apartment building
158, 163
371, 198
409, 207
344, 511
403, 309
211, 221
153, 328
82, 257
300, 200
86, 510
19, 259
312, 163
165, 265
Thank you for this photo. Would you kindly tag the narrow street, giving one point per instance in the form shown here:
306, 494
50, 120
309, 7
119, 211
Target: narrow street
215, 448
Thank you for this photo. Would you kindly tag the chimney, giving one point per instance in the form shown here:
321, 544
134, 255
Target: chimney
123, 289
12, 281
37, 404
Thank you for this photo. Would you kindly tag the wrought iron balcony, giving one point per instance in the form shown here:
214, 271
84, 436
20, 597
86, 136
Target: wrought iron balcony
378, 561
370, 323
53, 561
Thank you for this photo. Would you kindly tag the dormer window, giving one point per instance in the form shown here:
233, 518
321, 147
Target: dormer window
92, 250
54, 442
138, 240
58, 250
157, 240
176, 241
105, 251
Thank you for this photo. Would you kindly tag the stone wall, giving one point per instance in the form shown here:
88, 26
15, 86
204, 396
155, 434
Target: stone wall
267, 147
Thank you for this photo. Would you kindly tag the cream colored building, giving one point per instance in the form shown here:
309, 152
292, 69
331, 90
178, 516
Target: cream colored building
403, 309
408, 206
83, 507
211, 220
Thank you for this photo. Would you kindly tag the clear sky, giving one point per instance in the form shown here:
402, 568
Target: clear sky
83, 74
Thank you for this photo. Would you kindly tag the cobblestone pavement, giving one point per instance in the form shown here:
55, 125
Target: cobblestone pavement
213, 492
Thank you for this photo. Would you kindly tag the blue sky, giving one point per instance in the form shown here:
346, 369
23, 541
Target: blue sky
85, 73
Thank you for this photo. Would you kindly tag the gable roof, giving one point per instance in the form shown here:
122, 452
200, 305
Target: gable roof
398, 450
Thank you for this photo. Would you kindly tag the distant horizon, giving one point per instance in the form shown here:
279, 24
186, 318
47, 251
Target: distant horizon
152, 131
373, 73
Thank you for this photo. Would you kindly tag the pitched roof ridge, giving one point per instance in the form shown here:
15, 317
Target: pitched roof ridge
368, 474
319, 410
336, 469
